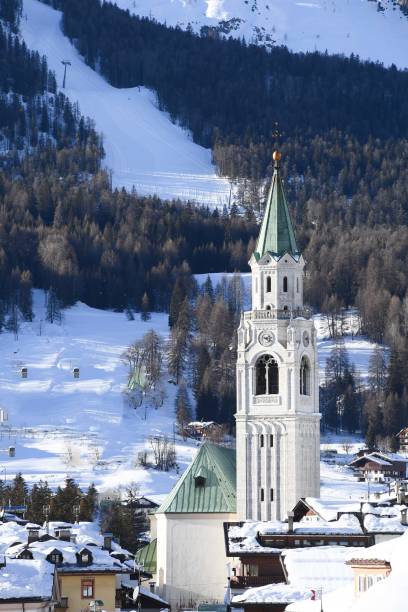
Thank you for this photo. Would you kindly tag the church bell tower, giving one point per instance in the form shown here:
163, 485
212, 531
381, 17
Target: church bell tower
277, 418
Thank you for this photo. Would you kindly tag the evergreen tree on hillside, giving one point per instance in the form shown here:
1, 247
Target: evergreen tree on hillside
40, 497
53, 308
183, 407
64, 501
18, 491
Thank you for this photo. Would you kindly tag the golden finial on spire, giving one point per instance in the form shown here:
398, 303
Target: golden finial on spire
277, 156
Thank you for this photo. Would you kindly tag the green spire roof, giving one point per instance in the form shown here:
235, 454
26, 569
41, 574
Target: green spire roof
148, 557
276, 236
208, 485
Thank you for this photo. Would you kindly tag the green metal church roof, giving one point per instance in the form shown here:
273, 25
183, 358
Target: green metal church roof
276, 236
147, 556
208, 485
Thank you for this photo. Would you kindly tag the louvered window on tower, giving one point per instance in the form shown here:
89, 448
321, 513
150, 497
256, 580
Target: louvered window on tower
271, 494
271, 440
267, 376
262, 495
285, 284
268, 284
261, 440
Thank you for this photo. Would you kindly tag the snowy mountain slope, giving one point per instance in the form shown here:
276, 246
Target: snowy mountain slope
143, 148
82, 427
373, 30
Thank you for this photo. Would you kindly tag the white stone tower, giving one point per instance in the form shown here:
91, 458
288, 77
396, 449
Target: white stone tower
278, 431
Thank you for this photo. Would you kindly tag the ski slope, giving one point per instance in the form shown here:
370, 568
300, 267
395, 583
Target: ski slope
338, 26
144, 149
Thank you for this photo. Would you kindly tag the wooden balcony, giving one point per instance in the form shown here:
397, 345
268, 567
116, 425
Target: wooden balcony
244, 582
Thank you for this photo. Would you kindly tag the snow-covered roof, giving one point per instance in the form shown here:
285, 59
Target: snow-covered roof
272, 593
321, 566
379, 552
13, 541
383, 524
389, 594
143, 592
329, 509
21, 579
11, 533
245, 538
372, 458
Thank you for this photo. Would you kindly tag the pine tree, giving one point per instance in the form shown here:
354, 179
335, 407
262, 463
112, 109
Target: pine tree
145, 308
53, 312
88, 503
183, 407
177, 298
180, 343
25, 301
64, 501
13, 321
40, 497
18, 491
377, 371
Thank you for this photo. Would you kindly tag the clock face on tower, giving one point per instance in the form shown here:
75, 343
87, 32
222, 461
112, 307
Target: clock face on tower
266, 338
306, 338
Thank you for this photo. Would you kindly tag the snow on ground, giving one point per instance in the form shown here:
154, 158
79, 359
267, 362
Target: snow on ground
338, 26
81, 427
143, 148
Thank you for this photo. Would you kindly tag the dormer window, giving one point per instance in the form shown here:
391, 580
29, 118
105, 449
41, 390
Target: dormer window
26, 554
55, 557
85, 557
200, 477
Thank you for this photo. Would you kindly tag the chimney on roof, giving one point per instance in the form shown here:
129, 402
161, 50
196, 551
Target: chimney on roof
33, 535
404, 517
63, 533
291, 516
152, 586
107, 541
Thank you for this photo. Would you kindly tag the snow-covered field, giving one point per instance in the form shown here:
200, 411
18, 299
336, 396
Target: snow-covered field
338, 26
143, 147
83, 427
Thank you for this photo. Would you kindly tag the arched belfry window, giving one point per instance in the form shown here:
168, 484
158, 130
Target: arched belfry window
268, 284
266, 376
304, 377
285, 284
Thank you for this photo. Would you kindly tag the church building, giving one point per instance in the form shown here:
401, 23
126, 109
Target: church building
276, 461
